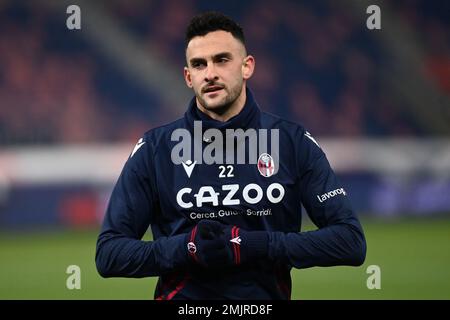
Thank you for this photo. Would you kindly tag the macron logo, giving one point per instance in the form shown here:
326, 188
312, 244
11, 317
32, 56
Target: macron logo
188, 167
331, 194
139, 144
236, 240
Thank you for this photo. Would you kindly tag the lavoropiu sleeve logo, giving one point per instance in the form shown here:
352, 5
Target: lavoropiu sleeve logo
331, 194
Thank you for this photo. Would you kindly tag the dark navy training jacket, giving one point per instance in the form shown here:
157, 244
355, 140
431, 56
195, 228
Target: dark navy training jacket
264, 192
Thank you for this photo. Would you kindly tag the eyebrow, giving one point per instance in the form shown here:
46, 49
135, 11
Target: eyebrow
215, 57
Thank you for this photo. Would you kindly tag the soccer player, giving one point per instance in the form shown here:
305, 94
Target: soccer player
222, 189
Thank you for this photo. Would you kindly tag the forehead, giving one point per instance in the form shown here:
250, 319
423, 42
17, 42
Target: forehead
213, 43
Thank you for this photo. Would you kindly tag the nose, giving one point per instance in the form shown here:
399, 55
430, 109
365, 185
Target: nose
211, 73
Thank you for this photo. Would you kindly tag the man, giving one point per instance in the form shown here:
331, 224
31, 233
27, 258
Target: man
222, 190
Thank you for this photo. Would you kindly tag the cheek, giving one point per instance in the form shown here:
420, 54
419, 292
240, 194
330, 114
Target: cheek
235, 75
196, 84
239, 75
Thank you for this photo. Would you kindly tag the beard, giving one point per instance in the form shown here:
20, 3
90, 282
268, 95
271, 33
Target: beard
224, 103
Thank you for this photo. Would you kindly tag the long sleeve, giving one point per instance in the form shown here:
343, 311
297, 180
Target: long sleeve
132, 206
340, 239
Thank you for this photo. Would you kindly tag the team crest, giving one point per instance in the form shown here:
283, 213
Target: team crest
266, 165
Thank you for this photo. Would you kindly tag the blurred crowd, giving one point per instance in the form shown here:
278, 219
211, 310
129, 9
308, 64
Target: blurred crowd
316, 64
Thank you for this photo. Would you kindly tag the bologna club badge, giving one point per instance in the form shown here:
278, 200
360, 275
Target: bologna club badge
266, 166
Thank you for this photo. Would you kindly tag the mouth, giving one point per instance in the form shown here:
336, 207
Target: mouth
212, 89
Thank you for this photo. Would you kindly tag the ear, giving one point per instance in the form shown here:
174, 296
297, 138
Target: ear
187, 77
248, 67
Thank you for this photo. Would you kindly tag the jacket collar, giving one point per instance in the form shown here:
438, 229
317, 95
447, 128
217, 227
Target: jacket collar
247, 118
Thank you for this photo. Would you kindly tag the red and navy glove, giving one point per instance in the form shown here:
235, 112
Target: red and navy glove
206, 244
212, 243
245, 245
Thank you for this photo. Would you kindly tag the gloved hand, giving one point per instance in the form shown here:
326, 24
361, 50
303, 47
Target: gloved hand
206, 244
212, 243
245, 245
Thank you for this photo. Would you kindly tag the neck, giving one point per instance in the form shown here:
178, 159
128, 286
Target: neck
234, 109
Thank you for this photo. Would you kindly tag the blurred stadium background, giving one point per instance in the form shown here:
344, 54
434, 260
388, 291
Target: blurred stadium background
74, 102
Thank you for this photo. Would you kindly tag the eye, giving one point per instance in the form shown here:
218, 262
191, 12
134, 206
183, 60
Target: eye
198, 65
222, 60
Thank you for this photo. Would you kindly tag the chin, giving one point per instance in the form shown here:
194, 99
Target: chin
215, 104
219, 108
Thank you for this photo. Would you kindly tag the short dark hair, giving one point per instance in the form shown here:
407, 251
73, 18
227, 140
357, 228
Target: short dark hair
210, 21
